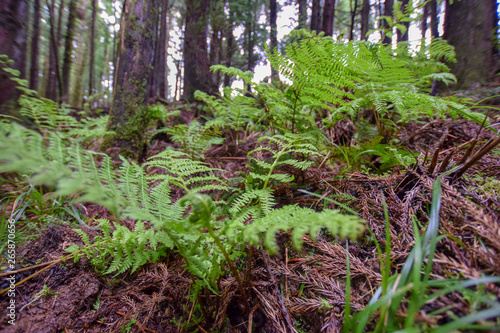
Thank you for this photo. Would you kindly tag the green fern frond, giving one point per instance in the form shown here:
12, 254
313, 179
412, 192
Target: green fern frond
301, 221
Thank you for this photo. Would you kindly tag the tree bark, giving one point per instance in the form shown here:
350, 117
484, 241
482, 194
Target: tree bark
469, 27
388, 11
316, 15
218, 21
13, 42
425, 15
328, 17
274, 32
128, 115
68, 50
92, 47
302, 13
353, 18
196, 69
35, 39
365, 19
434, 18
229, 48
162, 63
403, 37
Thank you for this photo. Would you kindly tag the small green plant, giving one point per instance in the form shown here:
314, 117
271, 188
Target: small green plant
413, 287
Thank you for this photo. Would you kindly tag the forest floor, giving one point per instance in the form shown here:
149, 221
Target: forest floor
305, 290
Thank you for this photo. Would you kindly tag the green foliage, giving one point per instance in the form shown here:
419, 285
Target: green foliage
195, 138
413, 287
159, 111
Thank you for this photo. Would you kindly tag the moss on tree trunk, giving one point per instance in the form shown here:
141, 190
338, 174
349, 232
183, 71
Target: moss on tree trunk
128, 116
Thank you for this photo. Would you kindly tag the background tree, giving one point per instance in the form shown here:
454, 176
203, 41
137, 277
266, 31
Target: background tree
470, 26
128, 116
35, 39
196, 67
316, 15
328, 17
13, 40
388, 14
365, 19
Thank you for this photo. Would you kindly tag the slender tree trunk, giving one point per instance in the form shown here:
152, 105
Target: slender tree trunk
162, 63
128, 115
153, 83
196, 69
53, 77
34, 46
328, 17
302, 13
469, 27
274, 32
388, 11
316, 15
434, 18
13, 43
81, 56
425, 15
403, 36
365, 19
218, 20
353, 19
229, 48
92, 47
68, 51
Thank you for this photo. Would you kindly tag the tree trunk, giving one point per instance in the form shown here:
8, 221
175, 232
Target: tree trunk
328, 17
274, 32
81, 56
196, 70
365, 19
425, 15
217, 20
162, 61
128, 115
403, 36
53, 75
229, 48
353, 18
68, 51
92, 47
153, 82
34, 46
13, 43
316, 15
302, 13
434, 18
470, 27
388, 9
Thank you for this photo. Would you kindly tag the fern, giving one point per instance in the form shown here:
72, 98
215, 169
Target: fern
195, 138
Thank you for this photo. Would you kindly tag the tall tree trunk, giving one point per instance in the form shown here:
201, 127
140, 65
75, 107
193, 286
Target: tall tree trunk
128, 115
34, 46
274, 32
469, 27
196, 70
328, 17
353, 19
403, 36
434, 18
229, 48
302, 13
68, 51
425, 15
54, 75
13, 43
162, 61
92, 47
81, 56
388, 11
365, 19
316, 15
153, 82
217, 21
